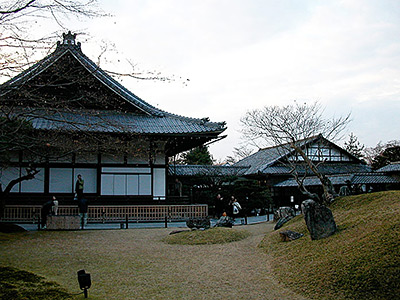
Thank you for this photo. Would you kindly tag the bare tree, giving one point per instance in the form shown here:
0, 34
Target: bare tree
382, 154
238, 154
19, 45
290, 127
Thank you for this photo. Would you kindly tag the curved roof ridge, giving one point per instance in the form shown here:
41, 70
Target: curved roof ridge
113, 84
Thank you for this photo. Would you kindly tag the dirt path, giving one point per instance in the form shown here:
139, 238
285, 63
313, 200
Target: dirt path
237, 270
136, 264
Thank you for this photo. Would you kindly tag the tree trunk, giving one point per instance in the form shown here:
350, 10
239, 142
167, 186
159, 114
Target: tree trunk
31, 173
325, 182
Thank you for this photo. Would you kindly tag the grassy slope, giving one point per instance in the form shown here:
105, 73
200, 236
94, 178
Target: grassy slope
361, 261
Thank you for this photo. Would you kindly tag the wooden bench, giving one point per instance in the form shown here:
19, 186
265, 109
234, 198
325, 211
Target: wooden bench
63, 222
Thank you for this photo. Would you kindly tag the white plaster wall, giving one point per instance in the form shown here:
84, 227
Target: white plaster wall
159, 182
61, 180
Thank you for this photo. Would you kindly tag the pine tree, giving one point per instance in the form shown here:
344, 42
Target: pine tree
354, 147
197, 156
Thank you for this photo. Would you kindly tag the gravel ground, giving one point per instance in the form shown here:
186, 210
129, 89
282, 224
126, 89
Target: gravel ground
137, 264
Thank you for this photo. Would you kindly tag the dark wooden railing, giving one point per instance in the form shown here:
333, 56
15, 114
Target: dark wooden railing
111, 213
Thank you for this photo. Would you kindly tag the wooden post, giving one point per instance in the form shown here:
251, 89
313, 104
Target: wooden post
38, 222
245, 219
126, 221
166, 222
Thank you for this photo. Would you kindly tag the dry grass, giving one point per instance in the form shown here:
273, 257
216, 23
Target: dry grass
361, 261
17, 284
137, 264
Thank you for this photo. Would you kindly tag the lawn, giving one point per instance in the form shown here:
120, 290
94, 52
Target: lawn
361, 261
140, 264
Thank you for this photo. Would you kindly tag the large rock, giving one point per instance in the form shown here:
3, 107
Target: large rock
282, 221
225, 221
283, 212
198, 223
319, 219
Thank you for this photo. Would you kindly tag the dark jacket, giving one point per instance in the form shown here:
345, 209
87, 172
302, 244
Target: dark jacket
83, 205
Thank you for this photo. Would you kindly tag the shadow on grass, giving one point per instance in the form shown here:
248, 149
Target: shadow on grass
18, 284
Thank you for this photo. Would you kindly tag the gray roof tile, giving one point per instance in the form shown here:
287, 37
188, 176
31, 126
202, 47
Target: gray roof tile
152, 121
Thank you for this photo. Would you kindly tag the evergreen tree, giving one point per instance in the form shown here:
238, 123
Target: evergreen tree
354, 147
197, 156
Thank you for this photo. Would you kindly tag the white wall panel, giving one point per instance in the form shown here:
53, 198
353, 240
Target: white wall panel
125, 170
119, 185
144, 184
61, 180
107, 184
159, 183
132, 182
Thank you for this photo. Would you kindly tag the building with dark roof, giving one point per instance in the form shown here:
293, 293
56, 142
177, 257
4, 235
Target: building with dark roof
66, 93
273, 167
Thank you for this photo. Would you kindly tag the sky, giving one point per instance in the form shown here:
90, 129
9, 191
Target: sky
231, 56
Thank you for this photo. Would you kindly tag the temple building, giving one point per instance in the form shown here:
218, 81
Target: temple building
85, 122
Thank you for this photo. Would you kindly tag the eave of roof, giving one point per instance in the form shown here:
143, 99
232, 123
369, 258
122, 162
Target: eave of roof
359, 178
111, 121
205, 170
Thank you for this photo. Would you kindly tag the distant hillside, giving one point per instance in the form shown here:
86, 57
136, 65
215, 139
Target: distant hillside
361, 261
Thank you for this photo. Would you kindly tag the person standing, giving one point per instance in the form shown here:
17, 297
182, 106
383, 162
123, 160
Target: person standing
83, 209
45, 211
178, 188
79, 187
219, 205
54, 209
236, 208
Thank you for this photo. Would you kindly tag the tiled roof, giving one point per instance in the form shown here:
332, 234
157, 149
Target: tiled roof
326, 168
270, 161
392, 167
361, 178
110, 121
259, 161
201, 170
152, 119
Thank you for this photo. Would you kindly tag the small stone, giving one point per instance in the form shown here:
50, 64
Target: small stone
288, 235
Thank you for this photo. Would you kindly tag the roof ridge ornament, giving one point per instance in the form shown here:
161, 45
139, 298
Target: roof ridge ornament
69, 41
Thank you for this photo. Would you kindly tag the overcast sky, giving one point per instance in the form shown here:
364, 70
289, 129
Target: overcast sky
246, 54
